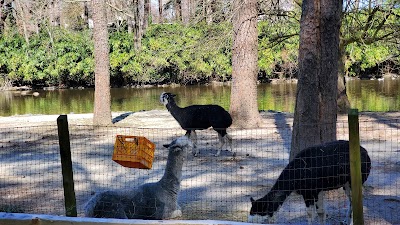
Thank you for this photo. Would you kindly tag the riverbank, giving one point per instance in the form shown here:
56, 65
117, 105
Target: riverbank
26, 88
163, 119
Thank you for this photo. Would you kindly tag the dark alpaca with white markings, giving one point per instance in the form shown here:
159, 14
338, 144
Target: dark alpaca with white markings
314, 170
200, 117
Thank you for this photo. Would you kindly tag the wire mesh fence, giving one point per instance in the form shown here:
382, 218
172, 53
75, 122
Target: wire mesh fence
212, 187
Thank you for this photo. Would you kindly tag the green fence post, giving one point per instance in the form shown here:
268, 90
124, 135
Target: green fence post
66, 165
355, 168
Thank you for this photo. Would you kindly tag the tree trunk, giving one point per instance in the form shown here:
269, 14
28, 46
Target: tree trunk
342, 98
177, 9
160, 12
185, 11
102, 95
3, 17
21, 19
130, 19
316, 100
203, 9
192, 8
88, 14
146, 15
243, 106
209, 11
138, 7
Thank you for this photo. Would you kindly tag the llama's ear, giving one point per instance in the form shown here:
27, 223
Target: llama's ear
252, 199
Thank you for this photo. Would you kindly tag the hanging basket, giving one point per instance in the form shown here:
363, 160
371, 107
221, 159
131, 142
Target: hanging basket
133, 152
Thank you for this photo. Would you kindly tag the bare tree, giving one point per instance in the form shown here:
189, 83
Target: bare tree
207, 10
160, 11
243, 106
130, 20
146, 15
177, 9
210, 4
315, 110
192, 8
3, 16
185, 8
138, 9
102, 95
23, 18
204, 8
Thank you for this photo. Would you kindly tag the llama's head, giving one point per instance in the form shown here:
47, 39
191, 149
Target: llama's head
261, 211
166, 97
180, 144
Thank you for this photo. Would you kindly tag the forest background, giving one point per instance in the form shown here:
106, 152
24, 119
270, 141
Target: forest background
49, 42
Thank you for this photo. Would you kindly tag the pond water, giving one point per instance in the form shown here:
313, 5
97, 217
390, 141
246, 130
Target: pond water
366, 95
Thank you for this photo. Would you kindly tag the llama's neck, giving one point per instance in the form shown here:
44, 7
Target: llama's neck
173, 172
275, 199
174, 109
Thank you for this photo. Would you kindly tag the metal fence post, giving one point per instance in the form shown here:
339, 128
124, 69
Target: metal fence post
355, 168
66, 165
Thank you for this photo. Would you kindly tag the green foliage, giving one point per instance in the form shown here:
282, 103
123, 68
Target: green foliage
369, 35
172, 53
73, 58
65, 60
11, 46
278, 47
362, 57
169, 53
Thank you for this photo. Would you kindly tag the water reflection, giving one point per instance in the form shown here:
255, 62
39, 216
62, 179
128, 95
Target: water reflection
374, 95
366, 95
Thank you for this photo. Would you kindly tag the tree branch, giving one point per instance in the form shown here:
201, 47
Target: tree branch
379, 27
369, 20
375, 39
279, 39
119, 10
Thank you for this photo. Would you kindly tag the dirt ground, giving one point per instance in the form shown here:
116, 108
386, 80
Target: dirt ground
212, 187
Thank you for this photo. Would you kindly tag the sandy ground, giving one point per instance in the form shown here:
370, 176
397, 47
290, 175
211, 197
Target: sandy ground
212, 187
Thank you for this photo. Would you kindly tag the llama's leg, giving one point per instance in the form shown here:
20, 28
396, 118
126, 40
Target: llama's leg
189, 135
310, 204
221, 143
272, 219
229, 140
194, 134
176, 214
310, 213
193, 137
223, 139
349, 215
321, 208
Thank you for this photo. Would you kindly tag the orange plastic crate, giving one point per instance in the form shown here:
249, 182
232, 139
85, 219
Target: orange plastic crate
133, 152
